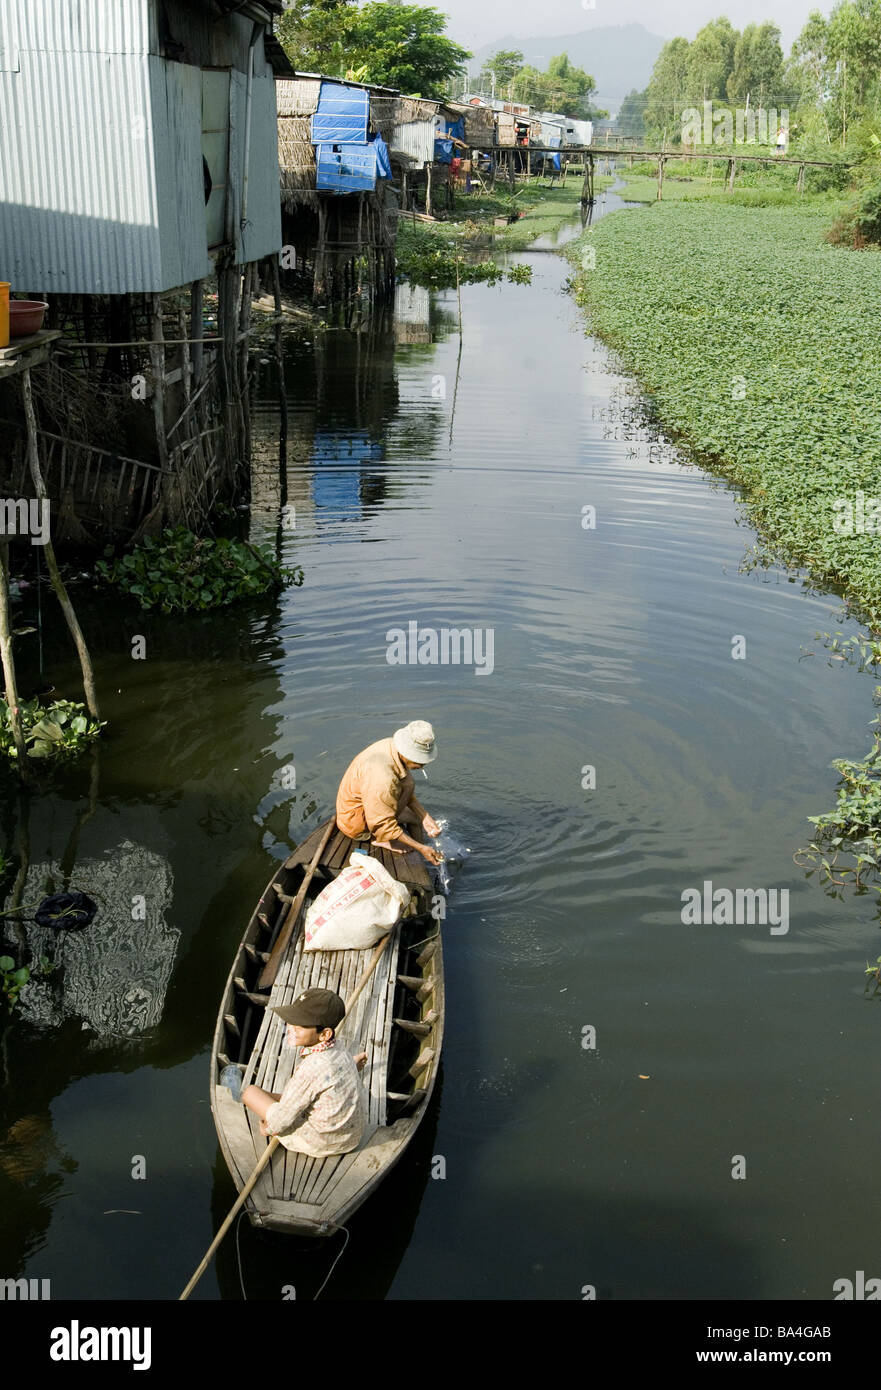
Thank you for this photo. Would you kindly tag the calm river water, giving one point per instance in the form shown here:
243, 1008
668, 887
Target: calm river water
452, 494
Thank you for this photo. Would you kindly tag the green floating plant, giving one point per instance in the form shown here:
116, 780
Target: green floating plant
13, 980
60, 730
178, 571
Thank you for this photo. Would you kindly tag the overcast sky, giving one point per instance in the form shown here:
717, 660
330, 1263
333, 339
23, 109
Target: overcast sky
476, 22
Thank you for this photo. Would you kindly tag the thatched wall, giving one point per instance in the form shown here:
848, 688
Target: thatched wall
296, 161
297, 96
479, 123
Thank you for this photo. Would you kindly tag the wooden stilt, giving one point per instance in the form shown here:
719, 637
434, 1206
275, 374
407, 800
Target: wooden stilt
282, 392
9, 663
51, 562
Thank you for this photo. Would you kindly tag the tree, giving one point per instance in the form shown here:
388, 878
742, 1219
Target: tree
392, 45
835, 69
503, 66
563, 88
404, 46
710, 62
315, 35
758, 67
666, 94
630, 116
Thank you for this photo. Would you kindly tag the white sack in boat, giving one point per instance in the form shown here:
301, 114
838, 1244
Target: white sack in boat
357, 908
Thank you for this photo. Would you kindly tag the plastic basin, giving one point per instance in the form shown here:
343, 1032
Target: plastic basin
26, 316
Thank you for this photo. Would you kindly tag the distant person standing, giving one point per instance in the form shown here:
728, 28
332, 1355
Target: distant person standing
782, 139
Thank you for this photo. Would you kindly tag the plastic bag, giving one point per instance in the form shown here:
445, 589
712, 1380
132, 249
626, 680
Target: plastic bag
454, 856
356, 909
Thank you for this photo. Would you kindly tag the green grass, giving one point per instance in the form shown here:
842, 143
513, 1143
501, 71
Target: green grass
707, 301
692, 188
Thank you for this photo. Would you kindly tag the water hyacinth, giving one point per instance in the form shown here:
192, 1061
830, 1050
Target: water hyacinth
759, 345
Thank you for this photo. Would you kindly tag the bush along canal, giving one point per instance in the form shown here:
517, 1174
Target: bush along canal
630, 743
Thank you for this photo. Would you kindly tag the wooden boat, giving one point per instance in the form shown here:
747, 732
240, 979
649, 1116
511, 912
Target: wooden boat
397, 1019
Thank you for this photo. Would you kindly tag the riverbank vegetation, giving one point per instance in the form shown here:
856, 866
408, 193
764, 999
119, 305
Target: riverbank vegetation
770, 376
434, 253
180, 572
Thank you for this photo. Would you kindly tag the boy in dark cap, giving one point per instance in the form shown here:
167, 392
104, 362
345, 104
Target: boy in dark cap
322, 1110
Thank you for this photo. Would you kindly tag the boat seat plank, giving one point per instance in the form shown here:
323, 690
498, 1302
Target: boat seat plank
331, 1170
321, 1172
414, 871
334, 849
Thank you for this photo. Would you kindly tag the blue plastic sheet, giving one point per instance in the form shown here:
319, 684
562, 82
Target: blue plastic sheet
342, 116
345, 168
443, 151
383, 162
457, 128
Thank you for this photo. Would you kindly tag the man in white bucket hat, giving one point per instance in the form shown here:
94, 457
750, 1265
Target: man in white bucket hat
377, 795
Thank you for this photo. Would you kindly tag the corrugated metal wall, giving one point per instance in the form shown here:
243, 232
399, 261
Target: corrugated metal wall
77, 26
415, 138
78, 207
181, 227
101, 185
261, 235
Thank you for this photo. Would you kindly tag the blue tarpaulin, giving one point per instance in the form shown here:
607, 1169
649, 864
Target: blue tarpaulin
346, 168
443, 151
457, 128
342, 115
383, 162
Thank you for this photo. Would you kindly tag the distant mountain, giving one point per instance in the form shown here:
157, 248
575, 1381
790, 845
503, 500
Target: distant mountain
618, 57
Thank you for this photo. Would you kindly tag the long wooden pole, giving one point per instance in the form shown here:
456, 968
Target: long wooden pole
270, 969
9, 663
237, 1205
51, 562
273, 1143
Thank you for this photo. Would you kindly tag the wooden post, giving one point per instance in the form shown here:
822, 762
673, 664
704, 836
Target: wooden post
157, 359
282, 393
732, 170
51, 562
428, 206
196, 331
661, 162
9, 662
800, 186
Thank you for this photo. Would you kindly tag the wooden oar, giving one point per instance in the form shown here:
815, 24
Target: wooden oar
273, 1143
240, 1201
270, 969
